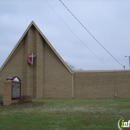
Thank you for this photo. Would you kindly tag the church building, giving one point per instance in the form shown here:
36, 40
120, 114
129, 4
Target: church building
44, 74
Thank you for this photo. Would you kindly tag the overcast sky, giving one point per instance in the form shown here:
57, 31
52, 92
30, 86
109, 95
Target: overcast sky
107, 20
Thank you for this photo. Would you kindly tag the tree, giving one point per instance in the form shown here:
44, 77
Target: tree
72, 67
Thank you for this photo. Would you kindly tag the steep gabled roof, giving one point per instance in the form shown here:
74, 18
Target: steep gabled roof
33, 24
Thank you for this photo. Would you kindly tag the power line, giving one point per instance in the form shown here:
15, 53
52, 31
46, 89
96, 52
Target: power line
90, 33
78, 37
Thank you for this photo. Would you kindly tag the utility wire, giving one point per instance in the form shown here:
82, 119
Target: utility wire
91, 33
77, 36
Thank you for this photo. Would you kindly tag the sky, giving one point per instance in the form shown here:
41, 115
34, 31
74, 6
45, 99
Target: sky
107, 20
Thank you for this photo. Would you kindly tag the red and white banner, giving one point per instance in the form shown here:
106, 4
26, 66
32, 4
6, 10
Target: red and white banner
31, 58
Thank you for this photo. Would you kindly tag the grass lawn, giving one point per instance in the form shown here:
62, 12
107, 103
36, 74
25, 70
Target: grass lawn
65, 114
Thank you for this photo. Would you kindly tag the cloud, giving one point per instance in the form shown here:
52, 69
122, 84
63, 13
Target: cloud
107, 20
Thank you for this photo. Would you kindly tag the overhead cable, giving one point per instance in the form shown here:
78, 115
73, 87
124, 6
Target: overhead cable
91, 34
78, 37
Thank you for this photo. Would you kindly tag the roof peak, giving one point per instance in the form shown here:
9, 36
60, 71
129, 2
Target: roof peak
18, 43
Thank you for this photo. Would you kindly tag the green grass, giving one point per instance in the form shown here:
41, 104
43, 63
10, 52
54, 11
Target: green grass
65, 114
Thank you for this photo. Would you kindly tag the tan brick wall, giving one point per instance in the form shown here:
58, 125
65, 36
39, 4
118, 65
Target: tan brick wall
102, 84
13, 67
57, 79
47, 78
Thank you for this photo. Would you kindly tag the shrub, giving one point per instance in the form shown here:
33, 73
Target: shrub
13, 104
25, 98
1, 100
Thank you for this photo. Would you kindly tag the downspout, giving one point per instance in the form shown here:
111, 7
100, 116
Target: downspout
73, 85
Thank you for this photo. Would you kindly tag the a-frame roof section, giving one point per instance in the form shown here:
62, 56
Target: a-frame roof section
33, 24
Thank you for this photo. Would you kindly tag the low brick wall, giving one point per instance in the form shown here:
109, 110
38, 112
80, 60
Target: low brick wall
102, 84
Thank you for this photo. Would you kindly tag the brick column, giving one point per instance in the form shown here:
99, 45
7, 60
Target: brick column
7, 93
33, 75
39, 65
30, 69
